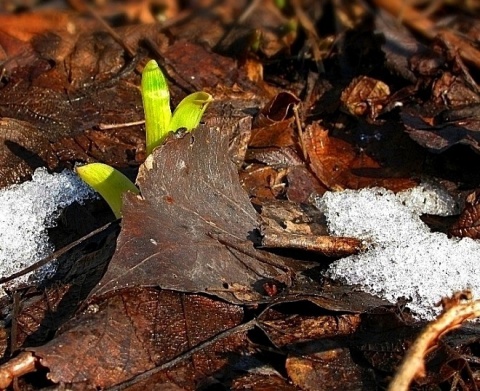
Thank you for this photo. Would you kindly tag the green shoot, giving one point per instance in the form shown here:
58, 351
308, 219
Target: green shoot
190, 110
156, 104
109, 182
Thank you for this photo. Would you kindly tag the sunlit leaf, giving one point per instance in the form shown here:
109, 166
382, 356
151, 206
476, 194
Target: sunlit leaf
190, 110
156, 105
109, 182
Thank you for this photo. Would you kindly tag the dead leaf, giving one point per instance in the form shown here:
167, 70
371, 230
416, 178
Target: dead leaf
73, 83
365, 96
468, 224
263, 182
135, 330
277, 110
284, 330
22, 149
327, 370
302, 184
339, 165
45, 308
445, 133
191, 194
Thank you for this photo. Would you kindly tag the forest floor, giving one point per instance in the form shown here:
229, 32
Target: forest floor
298, 239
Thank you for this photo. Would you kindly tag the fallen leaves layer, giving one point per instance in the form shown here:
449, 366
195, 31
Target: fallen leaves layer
135, 330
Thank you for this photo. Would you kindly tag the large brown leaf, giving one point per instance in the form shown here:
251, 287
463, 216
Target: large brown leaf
191, 229
137, 329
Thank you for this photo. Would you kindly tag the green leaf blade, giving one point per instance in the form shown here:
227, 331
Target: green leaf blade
109, 182
156, 105
190, 110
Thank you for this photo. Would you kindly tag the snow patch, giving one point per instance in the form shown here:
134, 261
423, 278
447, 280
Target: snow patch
404, 259
27, 211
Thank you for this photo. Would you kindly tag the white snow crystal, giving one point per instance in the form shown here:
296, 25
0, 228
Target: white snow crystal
403, 257
27, 211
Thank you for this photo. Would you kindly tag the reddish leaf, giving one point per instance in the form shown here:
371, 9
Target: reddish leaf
326, 370
365, 96
468, 224
338, 165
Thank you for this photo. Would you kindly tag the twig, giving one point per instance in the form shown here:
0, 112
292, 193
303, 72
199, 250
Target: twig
116, 126
327, 245
413, 364
21, 365
298, 122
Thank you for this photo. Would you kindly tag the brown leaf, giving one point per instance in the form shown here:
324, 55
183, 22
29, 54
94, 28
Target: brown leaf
135, 330
446, 129
326, 370
190, 196
302, 184
52, 97
277, 110
365, 96
468, 224
198, 68
22, 149
262, 182
262, 382
339, 165
278, 134
45, 309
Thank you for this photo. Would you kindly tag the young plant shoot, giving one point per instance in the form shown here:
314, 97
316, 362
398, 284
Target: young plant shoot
109, 182
159, 120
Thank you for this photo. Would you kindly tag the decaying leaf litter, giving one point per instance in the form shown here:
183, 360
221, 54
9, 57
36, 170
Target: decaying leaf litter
215, 276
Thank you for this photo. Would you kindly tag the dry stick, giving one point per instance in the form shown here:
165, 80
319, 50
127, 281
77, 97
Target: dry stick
298, 122
419, 22
116, 126
21, 365
413, 363
327, 245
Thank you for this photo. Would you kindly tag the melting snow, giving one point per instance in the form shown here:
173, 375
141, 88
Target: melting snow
27, 211
403, 257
